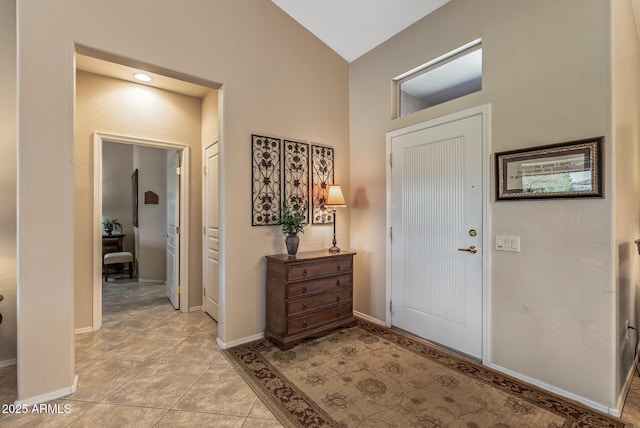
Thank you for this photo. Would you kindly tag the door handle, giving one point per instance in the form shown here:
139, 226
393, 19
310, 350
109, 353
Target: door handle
472, 249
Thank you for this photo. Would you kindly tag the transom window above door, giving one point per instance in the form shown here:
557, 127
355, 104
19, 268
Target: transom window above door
450, 76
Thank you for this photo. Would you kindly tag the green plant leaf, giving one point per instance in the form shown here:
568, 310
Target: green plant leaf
292, 219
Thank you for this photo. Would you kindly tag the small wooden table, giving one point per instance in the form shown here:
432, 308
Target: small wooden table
308, 295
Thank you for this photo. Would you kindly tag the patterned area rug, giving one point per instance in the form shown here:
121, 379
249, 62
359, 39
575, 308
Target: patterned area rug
369, 376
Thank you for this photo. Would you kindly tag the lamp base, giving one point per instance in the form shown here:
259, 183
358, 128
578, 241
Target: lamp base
334, 248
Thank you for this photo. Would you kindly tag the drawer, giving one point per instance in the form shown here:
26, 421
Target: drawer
318, 285
110, 248
333, 266
311, 303
317, 319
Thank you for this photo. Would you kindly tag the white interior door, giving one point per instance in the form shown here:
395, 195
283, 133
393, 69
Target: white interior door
436, 249
173, 222
211, 231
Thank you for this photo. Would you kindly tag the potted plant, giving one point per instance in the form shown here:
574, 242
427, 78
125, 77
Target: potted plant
292, 223
110, 224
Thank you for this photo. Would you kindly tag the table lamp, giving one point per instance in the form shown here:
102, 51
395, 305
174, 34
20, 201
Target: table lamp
335, 200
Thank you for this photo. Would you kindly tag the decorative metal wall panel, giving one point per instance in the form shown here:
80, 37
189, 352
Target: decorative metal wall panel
322, 171
296, 175
266, 190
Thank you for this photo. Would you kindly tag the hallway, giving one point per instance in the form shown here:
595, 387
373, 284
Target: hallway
149, 366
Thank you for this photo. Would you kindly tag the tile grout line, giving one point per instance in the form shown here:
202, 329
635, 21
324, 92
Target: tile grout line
189, 389
107, 347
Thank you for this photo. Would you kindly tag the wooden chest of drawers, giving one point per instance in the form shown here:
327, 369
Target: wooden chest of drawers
308, 295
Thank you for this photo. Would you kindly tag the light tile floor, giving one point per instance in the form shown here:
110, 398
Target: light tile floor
152, 366
149, 366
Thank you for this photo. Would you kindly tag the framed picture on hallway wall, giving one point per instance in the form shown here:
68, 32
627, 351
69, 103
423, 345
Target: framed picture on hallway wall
134, 198
567, 170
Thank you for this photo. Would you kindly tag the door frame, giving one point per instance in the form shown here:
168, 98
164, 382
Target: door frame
99, 138
485, 112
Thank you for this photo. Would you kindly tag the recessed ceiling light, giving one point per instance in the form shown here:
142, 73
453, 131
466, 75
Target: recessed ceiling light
142, 77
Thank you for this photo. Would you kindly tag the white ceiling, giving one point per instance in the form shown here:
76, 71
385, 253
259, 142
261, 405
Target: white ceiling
354, 27
123, 72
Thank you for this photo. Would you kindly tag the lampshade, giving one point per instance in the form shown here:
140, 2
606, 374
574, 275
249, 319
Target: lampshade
335, 198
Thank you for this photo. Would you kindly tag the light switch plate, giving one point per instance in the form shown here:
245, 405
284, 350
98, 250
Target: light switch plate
508, 243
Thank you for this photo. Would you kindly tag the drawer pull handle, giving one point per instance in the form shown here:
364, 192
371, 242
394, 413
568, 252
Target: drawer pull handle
338, 268
338, 314
304, 323
337, 298
338, 283
304, 290
304, 306
304, 272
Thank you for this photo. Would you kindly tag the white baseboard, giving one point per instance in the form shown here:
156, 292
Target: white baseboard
369, 319
7, 363
248, 339
195, 308
84, 330
53, 395
587, 402
625, 389
627, 385
151, 281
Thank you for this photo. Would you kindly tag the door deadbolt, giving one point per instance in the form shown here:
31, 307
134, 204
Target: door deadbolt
473, 232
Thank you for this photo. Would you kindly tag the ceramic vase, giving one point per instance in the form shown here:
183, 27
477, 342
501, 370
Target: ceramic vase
292, 240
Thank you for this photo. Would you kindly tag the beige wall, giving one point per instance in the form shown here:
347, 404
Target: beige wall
546, 74
625, 162
151, 255
209, 117
277, 80
117, 107
8, 180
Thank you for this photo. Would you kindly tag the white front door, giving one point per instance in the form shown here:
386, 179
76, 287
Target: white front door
211, 231
436, 247
173, 222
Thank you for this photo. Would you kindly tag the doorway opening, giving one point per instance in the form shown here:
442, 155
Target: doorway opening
177, 239
174, 112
